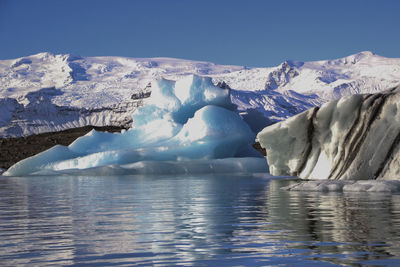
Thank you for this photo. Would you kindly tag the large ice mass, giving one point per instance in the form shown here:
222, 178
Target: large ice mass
353, 138
185, 126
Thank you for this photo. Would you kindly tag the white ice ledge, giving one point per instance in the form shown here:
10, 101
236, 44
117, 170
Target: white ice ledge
388, 186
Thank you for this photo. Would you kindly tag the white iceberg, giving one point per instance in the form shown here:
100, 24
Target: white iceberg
188, 120
381, 186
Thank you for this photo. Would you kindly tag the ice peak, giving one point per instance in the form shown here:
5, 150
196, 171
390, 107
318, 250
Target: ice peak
362, 55
365, 53
291, 64
353, 59
43, 55
72, 57
49, 56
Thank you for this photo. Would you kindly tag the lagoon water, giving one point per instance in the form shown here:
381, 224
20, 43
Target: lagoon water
201, 220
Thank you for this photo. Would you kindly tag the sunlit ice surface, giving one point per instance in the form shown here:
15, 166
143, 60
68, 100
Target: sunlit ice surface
217, 220
190, 121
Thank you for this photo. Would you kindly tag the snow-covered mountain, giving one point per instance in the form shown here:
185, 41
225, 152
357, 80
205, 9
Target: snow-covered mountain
47, 92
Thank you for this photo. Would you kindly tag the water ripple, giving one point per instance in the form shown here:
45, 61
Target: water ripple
197, 220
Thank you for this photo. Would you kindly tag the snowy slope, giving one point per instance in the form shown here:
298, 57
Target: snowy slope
47, 92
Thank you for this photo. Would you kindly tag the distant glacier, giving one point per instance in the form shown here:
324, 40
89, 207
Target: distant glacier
47, 92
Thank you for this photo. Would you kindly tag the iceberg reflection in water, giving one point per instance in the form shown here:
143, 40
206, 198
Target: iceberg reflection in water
209, 220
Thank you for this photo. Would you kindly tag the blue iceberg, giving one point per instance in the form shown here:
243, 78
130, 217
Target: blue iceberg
187, 126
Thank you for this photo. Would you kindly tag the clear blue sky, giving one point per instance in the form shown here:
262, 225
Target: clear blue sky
251, 33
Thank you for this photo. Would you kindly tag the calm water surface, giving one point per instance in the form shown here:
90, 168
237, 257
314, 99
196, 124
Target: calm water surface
197, 220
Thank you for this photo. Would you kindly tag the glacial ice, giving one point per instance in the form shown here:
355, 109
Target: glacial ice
199, 166
353, 138
346, 186
97, 91
189, 121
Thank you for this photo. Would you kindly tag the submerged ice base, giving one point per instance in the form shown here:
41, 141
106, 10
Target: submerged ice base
214, 166
347, 186
187, 120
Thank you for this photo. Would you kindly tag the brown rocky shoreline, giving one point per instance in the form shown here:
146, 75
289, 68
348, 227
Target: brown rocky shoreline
16, 149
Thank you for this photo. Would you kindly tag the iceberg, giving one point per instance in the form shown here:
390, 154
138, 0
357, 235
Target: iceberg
187, 125
352, 138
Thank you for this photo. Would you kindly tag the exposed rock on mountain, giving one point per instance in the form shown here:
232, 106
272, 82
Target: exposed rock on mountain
35, 113
282, 76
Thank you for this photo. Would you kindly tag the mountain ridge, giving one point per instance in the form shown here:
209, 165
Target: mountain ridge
98, 90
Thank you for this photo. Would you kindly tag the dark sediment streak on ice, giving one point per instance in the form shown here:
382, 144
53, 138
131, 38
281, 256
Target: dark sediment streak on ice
355, 137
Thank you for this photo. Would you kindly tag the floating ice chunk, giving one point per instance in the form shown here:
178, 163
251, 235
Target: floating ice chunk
189, 120
353, 138
385, 186
213, 132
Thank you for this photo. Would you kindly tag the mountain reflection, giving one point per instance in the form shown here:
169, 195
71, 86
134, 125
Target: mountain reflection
189, 220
